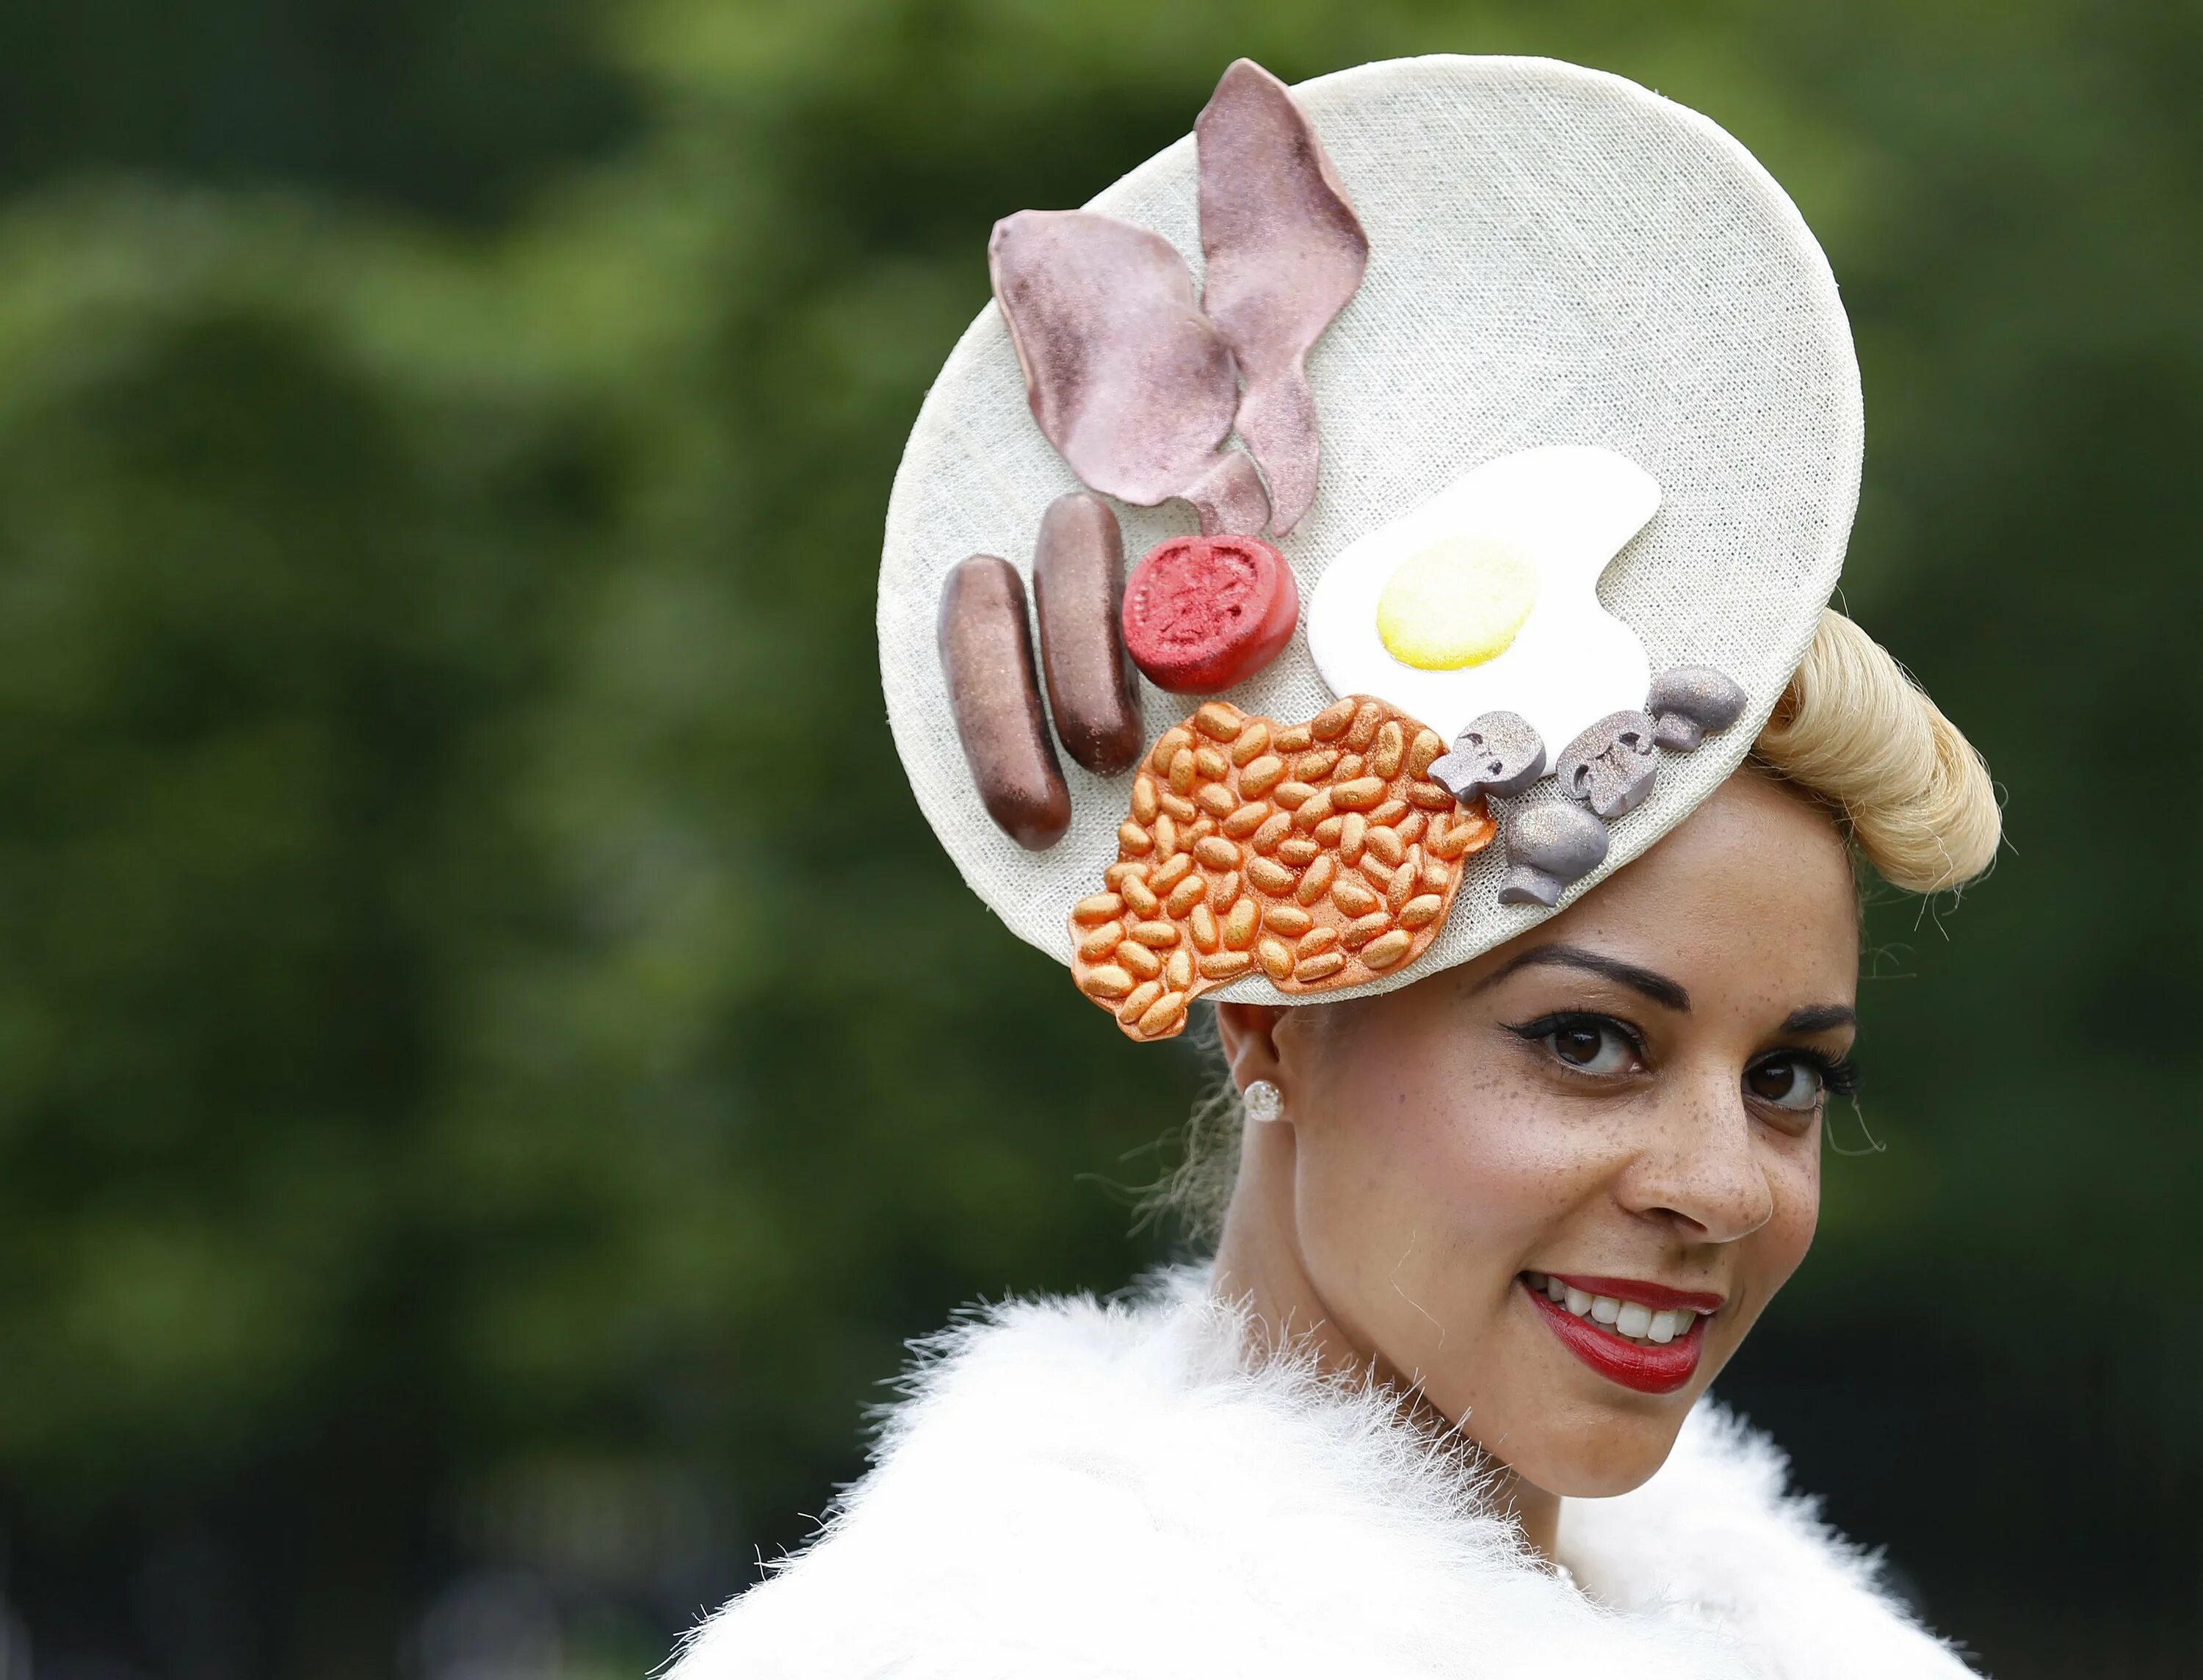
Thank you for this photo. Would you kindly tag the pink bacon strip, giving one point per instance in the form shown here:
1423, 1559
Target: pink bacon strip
1126, 376
1285, 252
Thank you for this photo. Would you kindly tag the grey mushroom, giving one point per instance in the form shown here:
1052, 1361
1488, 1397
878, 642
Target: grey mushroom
1611, 766
1692, 702
1499, 753
1549, 847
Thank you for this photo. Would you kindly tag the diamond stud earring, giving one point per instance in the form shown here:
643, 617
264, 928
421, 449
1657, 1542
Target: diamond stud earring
1265, 1101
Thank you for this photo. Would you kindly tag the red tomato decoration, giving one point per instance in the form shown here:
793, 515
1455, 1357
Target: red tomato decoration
1204, 613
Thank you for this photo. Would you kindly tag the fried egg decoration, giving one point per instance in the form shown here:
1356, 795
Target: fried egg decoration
1485, 597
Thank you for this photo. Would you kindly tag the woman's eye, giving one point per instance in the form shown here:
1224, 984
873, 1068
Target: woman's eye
1787, 1081
1592, 1046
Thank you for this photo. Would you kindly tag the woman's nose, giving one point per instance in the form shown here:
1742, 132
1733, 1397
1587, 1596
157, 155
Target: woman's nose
1701, 1169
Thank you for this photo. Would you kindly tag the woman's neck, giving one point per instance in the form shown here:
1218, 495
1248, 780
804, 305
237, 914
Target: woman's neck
1259, 1266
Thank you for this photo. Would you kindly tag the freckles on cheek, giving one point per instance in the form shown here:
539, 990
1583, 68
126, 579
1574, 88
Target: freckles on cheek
1471, 1155
1797, 1214
1774, 1251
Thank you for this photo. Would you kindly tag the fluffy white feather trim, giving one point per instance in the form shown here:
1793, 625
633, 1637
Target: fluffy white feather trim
1076, 1491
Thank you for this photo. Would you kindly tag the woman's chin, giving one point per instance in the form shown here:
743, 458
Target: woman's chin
1578, 1438
1586, 1415
1594, 1458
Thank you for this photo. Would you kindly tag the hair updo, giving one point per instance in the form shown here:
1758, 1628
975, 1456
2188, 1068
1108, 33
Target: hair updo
1854, 733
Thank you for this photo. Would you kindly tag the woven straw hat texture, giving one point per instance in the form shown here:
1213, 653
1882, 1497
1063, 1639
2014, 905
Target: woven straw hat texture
1558, 256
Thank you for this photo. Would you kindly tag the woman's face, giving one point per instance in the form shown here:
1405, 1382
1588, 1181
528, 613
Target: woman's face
1621, 1109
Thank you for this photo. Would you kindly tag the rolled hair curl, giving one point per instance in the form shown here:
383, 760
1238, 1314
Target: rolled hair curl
1855, 731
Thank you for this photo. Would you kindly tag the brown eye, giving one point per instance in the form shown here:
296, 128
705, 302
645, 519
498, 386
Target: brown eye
1590, 1046
1785, 1082
1578, 1045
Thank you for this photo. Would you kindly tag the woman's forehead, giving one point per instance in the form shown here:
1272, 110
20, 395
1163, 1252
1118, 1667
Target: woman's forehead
1753, 895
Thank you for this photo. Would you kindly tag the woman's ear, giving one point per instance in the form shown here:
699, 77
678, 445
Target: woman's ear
1248, 1035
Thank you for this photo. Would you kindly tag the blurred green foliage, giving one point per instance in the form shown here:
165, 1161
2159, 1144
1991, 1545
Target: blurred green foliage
454, 1115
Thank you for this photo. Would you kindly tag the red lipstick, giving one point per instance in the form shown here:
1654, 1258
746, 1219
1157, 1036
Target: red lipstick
1648, 1370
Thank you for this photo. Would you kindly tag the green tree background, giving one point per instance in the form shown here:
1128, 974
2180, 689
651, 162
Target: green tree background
469, 1149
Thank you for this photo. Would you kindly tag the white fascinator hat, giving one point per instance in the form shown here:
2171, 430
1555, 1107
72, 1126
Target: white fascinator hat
1369, 523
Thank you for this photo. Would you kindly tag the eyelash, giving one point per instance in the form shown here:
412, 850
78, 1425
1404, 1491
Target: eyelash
1545, 1027
1839, 1074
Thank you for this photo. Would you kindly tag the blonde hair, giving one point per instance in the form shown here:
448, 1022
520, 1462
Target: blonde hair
1854, 733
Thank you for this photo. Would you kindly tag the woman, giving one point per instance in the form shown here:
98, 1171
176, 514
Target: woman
1509, 1179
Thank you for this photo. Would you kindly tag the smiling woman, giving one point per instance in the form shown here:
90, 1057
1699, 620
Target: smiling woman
1523, 1147
1486, 1240
1551, 1190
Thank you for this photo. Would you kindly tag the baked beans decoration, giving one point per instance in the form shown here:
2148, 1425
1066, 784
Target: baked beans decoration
1319, 854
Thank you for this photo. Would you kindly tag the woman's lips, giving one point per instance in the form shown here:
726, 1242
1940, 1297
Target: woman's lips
1659, 1370
1657, 1296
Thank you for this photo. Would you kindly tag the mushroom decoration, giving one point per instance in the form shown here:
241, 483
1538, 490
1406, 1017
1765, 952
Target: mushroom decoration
1499, 753
1549, 847
1611, 766
1692, 702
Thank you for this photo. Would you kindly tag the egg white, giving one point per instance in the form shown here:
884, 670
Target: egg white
1567, 509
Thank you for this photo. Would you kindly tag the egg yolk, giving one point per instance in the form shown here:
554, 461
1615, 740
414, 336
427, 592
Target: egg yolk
1457, 603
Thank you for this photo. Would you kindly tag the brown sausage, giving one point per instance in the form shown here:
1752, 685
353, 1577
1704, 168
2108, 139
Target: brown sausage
1078, 593
987, 657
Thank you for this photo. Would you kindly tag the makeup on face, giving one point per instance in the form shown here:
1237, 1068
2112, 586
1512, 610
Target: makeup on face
1614, 1117
1644, 1336
1790, 1079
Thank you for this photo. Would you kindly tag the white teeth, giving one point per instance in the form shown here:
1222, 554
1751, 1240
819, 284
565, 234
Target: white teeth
1632, 1319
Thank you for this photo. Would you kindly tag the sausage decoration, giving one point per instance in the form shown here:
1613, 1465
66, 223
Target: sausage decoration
1140, 390
1079, 597
986, 656
1319, 853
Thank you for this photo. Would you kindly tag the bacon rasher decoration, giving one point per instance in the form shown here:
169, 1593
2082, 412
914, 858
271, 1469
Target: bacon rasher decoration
1136, 384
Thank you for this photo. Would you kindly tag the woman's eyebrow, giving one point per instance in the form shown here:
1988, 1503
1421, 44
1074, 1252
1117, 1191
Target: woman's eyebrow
1657, 987
1821, 1018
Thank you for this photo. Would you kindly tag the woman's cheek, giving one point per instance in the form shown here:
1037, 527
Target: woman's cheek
1774, 1251
1512, 1162
1438, 1191
1796, 1184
